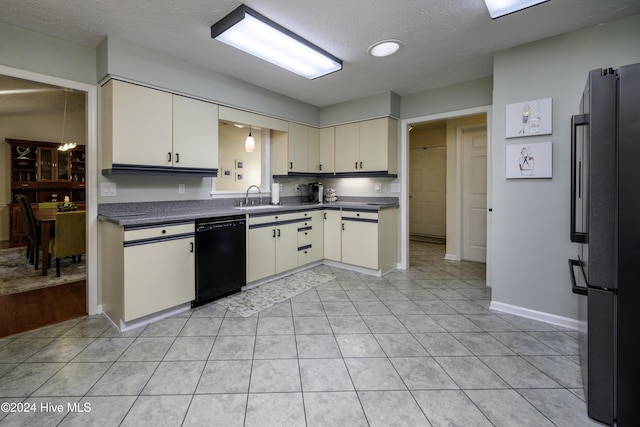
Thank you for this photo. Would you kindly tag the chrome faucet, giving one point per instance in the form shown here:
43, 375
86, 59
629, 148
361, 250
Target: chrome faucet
246, 199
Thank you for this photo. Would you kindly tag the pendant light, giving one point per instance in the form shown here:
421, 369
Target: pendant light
69, 145
250, 143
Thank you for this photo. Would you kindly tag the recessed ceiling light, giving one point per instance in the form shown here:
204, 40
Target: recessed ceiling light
385, 48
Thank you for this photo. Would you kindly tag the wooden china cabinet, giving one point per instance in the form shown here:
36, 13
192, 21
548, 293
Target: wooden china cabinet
42, 173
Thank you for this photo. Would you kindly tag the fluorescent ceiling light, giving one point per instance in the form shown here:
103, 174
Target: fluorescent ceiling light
385, 48
247, 30
498, 8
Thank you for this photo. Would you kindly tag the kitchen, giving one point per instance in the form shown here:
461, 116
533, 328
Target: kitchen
538, 292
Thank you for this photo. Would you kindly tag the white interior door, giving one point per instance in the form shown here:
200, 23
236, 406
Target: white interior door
474, 195
428, 191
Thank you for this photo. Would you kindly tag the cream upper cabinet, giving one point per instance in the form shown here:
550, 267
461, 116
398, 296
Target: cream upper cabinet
298, 147
153, 131
195, 133
303, 149
313, 150
347, 147
137, 125
368, 146
326, 150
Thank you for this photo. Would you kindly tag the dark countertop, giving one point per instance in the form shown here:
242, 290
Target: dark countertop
150, 213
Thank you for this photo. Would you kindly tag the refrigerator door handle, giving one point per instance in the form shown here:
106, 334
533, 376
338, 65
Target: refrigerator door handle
580, 290
576, 176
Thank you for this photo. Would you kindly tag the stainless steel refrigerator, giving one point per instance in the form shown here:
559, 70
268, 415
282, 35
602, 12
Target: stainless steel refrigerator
605, 219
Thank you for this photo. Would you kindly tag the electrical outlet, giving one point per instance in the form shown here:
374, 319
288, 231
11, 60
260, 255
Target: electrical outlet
378, 187
108, 189
395, 188
181, 189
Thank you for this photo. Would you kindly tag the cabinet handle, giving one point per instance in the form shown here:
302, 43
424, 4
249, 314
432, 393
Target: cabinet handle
177, 157
169, 158
320, 166
343, 226
278, 232
325, 215
290, 165
356, 165
164, 231
274, 232
360, 165
191, 243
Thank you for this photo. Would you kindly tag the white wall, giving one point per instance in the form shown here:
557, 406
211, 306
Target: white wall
531, 217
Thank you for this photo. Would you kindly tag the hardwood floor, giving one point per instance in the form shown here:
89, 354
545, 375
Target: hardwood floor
30, 310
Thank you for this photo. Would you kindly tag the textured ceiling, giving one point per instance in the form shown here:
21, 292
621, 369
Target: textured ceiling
445, 42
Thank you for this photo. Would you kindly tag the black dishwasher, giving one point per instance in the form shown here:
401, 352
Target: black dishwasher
220, 257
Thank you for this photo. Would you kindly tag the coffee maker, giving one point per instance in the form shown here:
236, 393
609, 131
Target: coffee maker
316, 191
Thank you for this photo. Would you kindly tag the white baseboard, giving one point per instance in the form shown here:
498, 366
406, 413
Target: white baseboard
451, 257
564, 322
143, 321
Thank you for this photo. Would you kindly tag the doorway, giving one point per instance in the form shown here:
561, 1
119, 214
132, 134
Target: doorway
427, 182
456, 122
83, 294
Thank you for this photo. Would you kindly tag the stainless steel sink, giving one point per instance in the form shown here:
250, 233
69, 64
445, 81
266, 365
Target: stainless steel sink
255, 207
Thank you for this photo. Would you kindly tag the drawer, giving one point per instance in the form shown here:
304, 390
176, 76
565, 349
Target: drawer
360, 215
160, 231
268, 219
305, 255
304, 235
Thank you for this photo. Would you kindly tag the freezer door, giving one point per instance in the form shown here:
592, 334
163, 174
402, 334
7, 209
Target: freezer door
601, 348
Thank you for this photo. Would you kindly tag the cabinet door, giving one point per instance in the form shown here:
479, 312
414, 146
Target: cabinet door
279, 152
47, 164
331, 234
286, 247
347, 147
359, 242
327, 149
317, 234
158, 276
298, 147
142, 125
195, 133
261, 258
374, 145
313, 158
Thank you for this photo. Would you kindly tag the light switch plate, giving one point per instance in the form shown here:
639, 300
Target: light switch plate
378, 187
181, 189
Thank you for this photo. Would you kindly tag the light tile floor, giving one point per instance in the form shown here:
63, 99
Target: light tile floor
415, 348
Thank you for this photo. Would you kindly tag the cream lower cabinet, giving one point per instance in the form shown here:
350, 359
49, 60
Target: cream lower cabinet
272, 245
146, 269
310, 237
331, 235
369, 239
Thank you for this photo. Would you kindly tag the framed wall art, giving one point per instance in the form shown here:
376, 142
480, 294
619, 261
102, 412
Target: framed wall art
533, 160
529, 118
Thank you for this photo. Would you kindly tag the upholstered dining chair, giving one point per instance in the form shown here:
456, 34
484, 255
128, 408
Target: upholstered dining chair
70, 237
48, 205
33, 232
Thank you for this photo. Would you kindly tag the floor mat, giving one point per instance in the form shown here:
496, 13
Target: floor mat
254, 300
